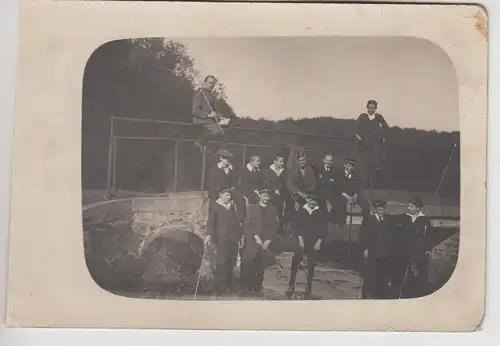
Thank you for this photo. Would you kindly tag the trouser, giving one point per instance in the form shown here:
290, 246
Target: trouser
410, 279
377, 278
279, 204
227, 254
207, 128
372, 150
252, 274
312, 260
327, 205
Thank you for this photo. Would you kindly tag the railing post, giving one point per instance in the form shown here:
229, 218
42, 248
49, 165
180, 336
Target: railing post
110, 154
203, 170
244, 158
115, 140
176, 165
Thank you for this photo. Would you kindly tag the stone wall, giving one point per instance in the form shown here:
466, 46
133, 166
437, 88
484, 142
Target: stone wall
119, 233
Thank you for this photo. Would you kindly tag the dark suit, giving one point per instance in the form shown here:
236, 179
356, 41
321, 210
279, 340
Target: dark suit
412, 243
261, 221
311, 227
304, 181
225, 230
204, 102
276, 182
377, 237
326, 178
249, 182
350, 186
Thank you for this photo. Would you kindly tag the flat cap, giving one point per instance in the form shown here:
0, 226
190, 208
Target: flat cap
265, 190
224, 153
224, 189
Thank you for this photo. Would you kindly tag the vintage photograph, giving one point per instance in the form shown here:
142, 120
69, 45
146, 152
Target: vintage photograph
271, 168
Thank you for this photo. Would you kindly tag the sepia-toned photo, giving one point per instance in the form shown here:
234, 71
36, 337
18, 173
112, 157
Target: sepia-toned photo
271, 168
218, 166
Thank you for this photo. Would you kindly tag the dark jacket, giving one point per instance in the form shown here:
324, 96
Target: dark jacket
371, 130
219, 179
249, 182
326, 180
377, 236
413, 237
311, 226
297, 182
273, 181
262, 221
344, 185
223, 224
204, 102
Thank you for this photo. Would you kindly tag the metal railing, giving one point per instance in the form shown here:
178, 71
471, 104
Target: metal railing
114, 138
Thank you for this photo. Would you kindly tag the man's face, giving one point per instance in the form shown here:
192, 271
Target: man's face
302, 162
349, 167
413, 209
380, 211
264, 198
311, 202
225, 196
371, 108
328, 161
210, 83
255, 162
279, 162
225, 161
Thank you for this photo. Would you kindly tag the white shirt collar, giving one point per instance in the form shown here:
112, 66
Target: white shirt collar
372, 116
220, 165
276, 170
250, 167
308, 208
327, 169
347, 174
378, 216
221, 203
414, 217
262, 205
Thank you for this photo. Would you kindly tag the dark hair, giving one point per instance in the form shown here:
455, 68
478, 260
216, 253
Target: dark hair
379, 203
371, 102
417, 202
277, 156
209, 76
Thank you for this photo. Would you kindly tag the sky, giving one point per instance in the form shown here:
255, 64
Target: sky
413, 80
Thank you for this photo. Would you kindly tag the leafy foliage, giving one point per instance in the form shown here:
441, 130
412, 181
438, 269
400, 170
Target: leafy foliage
155, 79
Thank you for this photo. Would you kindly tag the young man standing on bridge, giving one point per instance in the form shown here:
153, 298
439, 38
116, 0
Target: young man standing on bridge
371, 127
301, 181
275, 177
311, 226
260, 229
413, 251
224, 230
251, 180
376, 237
223, 174
325, 181
347, 193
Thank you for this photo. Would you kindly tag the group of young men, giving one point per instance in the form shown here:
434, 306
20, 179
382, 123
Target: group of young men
249, 206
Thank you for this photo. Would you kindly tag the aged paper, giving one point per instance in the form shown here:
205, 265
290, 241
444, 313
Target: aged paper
49, 283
